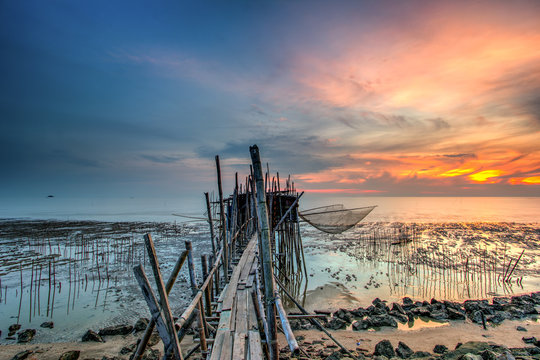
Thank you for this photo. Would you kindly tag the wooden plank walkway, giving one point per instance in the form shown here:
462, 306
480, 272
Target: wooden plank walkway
237, 335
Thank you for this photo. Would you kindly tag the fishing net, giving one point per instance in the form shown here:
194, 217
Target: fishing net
334, 219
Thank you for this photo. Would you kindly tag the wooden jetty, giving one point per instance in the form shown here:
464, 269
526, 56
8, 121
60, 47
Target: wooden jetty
256, 244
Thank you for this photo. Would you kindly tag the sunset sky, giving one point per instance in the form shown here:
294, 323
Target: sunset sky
393, 98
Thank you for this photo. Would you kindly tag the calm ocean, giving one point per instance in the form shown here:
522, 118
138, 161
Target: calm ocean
406, 209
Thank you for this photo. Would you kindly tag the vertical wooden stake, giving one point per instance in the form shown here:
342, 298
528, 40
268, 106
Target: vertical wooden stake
266, 251
164, 301
210, 222
223, 224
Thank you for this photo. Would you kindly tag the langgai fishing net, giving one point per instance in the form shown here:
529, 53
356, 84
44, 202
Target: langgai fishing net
334, 219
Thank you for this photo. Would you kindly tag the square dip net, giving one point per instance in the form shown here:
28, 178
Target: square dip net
334, 219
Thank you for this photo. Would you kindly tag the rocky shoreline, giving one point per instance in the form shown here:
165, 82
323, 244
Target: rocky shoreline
120, 340
379, 314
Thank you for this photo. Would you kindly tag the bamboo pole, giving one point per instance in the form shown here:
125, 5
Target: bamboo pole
266, 252
151, 325
223, 224
210, 222
164, 301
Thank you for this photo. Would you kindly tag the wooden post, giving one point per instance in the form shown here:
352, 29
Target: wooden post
195, 290
208, 290
164, 301
223, 224
210, 222
150, 327
266, 254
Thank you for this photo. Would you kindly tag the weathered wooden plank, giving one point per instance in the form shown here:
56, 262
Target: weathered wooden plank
239, 346
255, 346
241, 311
227, 348
252, 315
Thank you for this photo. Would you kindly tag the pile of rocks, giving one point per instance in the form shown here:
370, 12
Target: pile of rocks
384, 350
379, 314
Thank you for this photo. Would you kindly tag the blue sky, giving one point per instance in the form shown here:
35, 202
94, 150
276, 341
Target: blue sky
133, 98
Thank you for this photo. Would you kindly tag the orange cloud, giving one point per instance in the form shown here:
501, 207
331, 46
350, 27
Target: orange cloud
485, 175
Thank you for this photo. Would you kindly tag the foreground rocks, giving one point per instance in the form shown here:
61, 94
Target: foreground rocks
385, 350
380, 314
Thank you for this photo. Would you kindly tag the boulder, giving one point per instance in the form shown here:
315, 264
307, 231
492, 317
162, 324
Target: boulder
116, 330
26, 335
22, 355
384, 348
91, 335
383, 320
47, 324
70, 355
529, 340
440, 349
455, 314
337, 324
470, 356
404, 351
141, 324
400, 317
361, 324
398, 308
439, 315
421, 354
520, 328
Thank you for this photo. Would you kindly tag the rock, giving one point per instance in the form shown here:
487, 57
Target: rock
439, 315
489, 355
440, 349
529, 340
420, 311
116, 330
360, 312
470, 356
420, 354
383, 320
400, 317
336, 355
151, 354
520, 328
455, 314
22, 355
476, 316
128, 349
475, 305
398, 308
361, 325
497, 318
336, 324
47, 324
70, 355
407, 301
154, 339
344, 315
26, 335
14, 327
506, 356
458, 345
141, 324
384, 348
403, 350
380, 357
91, 335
